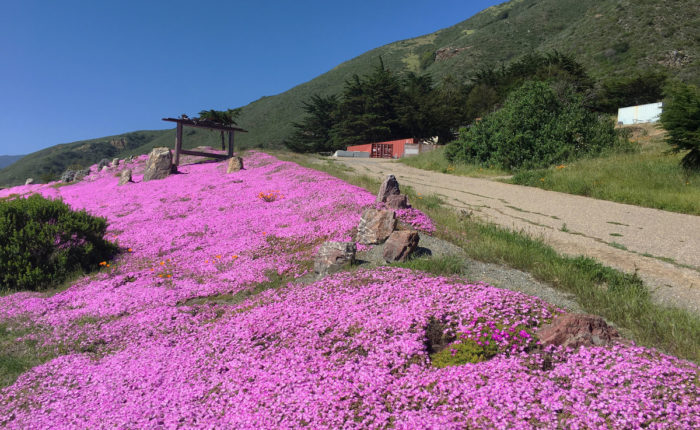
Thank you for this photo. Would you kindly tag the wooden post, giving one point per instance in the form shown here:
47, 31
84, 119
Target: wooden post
230, 144
178, 143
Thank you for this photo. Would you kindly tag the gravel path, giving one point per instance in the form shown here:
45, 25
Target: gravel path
663, 247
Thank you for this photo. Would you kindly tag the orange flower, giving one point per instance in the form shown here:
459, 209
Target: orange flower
234, 256
103, 263
130, 250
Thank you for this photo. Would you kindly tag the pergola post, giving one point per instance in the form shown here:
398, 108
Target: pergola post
178, 143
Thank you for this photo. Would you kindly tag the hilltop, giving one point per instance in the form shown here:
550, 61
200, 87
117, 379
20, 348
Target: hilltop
609, 37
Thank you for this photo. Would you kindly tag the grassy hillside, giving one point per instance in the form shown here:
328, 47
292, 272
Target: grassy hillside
610, 37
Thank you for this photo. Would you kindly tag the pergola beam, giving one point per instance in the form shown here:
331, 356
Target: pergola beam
186, 122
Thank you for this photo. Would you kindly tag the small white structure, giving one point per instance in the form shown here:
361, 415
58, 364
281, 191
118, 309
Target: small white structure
639, 114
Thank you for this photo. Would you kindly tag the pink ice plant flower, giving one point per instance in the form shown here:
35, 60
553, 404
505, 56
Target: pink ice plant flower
347, 351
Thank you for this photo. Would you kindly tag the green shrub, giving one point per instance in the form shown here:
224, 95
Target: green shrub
538, 126
681, 119
43, 241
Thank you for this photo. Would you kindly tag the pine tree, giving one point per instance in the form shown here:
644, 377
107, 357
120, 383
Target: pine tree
681, 119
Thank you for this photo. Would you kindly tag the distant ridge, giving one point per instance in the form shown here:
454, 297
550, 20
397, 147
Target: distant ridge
609, 37
6, 160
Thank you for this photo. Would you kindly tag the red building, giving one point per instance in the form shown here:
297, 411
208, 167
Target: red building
390, 149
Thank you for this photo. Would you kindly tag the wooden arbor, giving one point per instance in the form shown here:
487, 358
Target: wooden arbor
201, 123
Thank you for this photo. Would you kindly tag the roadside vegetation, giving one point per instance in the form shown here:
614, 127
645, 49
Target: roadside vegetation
621, 298
649, 177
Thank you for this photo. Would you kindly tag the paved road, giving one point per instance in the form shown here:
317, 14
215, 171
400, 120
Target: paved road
663, 247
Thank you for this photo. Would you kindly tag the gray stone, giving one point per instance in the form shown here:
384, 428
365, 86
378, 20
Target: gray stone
80, 174
68, 176
332, 256
574, 330
125, 177
397, 201
159, 164
234, 164
104, 168
375, 226
400, 245
103, 162
29, 181
389, 187
115, 162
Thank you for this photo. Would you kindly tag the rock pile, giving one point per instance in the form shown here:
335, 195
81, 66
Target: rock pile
376, 227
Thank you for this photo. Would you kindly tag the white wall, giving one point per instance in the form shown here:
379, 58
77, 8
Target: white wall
639, 114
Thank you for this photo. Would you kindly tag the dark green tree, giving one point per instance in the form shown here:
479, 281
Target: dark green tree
369, 109
681, 120
313, 133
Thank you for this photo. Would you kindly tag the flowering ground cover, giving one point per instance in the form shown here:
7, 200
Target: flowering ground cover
350, 350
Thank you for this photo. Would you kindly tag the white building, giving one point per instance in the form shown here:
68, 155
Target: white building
639, 114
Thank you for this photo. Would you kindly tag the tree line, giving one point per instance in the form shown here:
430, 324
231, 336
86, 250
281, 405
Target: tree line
383, 105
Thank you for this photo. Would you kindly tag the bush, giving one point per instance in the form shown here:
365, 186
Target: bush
538, 126
681, 120
42, 242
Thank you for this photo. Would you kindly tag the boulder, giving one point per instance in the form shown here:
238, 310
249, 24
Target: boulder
29, 181
397, 201
375, 226
574, 330
68, 176
104, 168
124, 177
234, 164
400, 245
159, 164
80, 174
389, 187
103, 162
332, 256
115, 162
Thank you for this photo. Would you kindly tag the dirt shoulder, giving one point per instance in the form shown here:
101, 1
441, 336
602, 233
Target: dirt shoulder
662, 247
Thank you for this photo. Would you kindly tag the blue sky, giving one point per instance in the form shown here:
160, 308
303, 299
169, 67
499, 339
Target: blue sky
73, 70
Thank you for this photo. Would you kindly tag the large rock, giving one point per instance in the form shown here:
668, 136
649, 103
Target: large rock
389, 187
375, 226
159, 164
103, 162
234, 164
332, 256
400, 245
29, 181
574, 330
125, 177
115, 162
68, 176
397, 201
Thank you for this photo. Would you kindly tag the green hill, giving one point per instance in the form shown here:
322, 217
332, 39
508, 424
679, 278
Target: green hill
609, 37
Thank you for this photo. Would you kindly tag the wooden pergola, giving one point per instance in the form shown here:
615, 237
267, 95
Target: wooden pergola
202, 123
